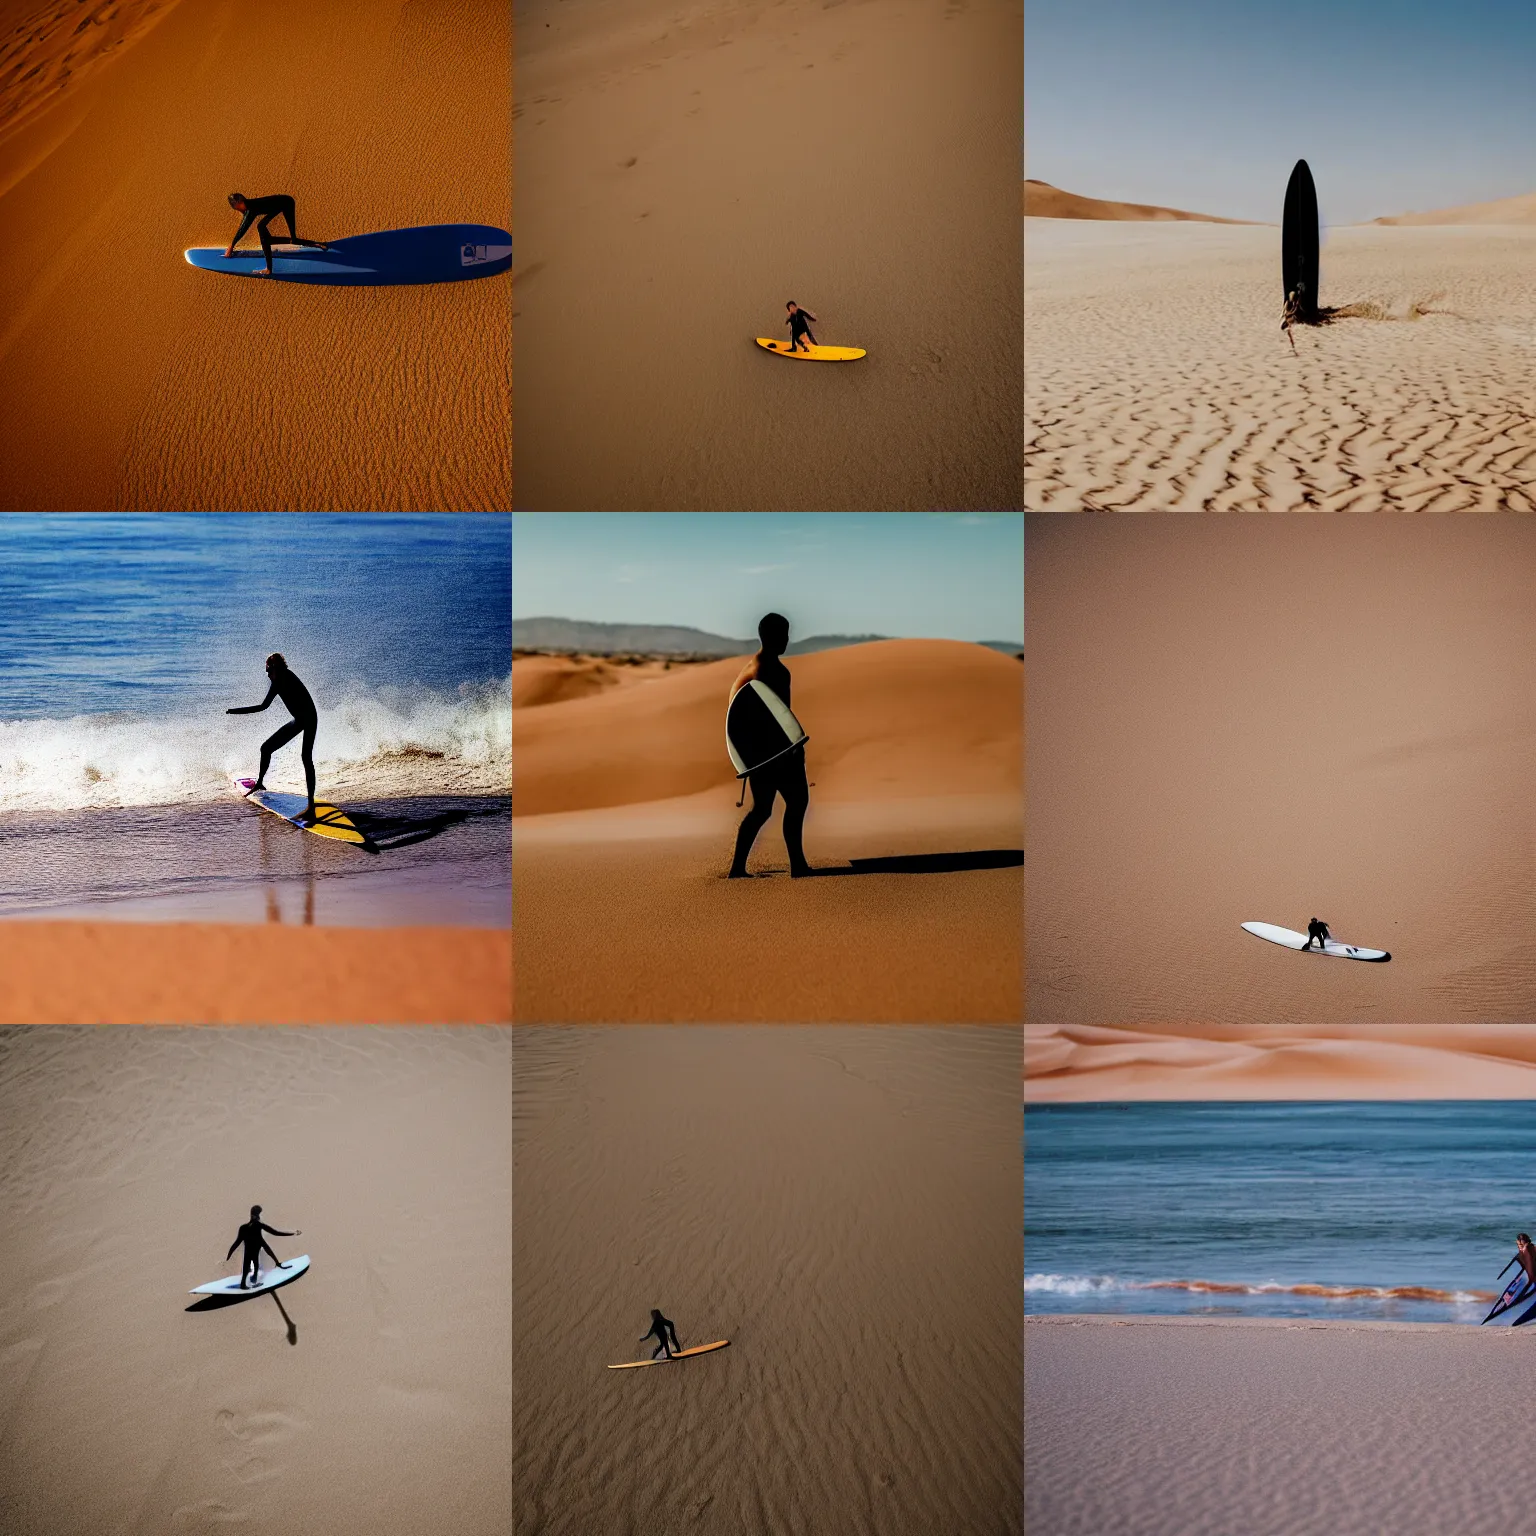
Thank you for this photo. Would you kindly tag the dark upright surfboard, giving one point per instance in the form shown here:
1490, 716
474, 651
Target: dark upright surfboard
1298, 240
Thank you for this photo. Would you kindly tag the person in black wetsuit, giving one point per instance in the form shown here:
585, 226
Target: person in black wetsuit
263, 210
251, 1235
287, 687
799, 327
785, 775
659, 1329
1317, 929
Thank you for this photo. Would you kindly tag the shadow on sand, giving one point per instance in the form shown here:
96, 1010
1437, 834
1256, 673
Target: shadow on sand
218, 1303
916, 864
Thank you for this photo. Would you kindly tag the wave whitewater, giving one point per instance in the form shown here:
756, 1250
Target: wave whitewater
1103, 1285
390, 742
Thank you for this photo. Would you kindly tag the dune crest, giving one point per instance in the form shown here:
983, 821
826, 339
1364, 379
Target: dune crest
1043, 201
1504, 210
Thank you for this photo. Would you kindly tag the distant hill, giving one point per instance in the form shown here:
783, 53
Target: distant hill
1506, 210
1043, 201
593, 639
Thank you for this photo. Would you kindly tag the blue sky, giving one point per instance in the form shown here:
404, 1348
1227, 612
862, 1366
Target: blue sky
1206, 104
930, 575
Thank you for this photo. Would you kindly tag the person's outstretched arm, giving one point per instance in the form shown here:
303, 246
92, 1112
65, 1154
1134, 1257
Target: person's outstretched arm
245, 224
233, 1246
255, 709
278, 1231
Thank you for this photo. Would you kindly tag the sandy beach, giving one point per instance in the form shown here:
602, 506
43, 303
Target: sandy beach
370, 1396
1183, 1427
1256, 719
624, 818
128, 379
1159, 378
841, 1204
681, 174
251, 973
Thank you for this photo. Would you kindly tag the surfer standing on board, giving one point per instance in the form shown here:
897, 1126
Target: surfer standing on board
784, 775
798, 328
659, 1329
1316, 929
255, 1244
263, 210
287, 687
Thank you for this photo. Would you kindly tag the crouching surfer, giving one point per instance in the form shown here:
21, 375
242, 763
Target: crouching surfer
287, 687
784, 775
1317, 929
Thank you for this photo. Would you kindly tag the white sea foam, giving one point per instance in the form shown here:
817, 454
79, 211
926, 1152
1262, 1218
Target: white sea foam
385, 742
1071, 1285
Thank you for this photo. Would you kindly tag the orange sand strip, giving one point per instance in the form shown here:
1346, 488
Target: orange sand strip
217, 973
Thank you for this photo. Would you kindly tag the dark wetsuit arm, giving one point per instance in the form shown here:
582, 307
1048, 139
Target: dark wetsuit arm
275, 1231
255, 709
245, 224
233, 1246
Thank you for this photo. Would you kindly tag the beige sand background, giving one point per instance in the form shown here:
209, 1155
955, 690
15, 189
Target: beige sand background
251, 973
624, 820
129, 379
376, 1399
1080, 1063
1159, 378
681, 172
843, 1205
1269, 719
1189, 1427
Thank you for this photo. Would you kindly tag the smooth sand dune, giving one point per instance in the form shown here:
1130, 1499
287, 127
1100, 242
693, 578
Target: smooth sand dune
842, 1205
1043, 201
1168, 1426
1504, 210
371, 1397
1160, 379
130, 380
681, 172
553, 679
1078, 1063
624, 817
251, 973
1270, 719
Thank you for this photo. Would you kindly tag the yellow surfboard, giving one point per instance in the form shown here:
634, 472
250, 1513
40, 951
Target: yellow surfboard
681, 1354
329, 820
815, 355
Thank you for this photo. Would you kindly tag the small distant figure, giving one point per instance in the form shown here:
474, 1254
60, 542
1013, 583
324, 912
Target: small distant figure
1317, 929
799, 327
287, 687
784, 775
255, 1245
1527, 1254
263, 210
660, 1328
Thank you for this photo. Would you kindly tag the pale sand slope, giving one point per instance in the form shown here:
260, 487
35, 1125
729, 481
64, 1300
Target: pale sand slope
1083, 1063
682, 172
624, 820
1043, 201
842, 1205
130, 380
1238, 719
1504, 210
542, 679
127, 1160
1186, 1427
1159, 378
251, 973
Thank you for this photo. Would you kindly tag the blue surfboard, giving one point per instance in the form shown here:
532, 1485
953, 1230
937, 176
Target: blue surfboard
427, 253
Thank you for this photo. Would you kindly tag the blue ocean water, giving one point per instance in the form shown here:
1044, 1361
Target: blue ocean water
1387, 1211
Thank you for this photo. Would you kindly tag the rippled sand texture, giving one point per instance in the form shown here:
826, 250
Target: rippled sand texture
1159, 378
624, 821
375, 1400
1239, 719
1183, 1427
843, 1205
130, 380
681, 173
1084, 1063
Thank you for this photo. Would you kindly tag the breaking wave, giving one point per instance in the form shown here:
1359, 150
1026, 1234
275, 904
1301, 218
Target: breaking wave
1104, 1285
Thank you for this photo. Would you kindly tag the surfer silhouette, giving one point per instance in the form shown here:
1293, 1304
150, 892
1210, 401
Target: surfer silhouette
263, 210
287, 687
1316, 929
785, 775
255, 1245
798, 329
659, 1329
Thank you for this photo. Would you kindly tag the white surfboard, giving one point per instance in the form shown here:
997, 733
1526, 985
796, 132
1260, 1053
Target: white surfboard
1293, 940
759, 728
286, 1272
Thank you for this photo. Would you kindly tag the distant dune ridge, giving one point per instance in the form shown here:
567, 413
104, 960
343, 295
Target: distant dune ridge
588, 637
1043, 201
1505, 210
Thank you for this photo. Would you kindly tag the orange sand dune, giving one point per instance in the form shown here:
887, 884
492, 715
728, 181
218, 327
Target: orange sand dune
1043, 201
539, 679
890, 718
1084, 1062
128, 379
1505, 210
